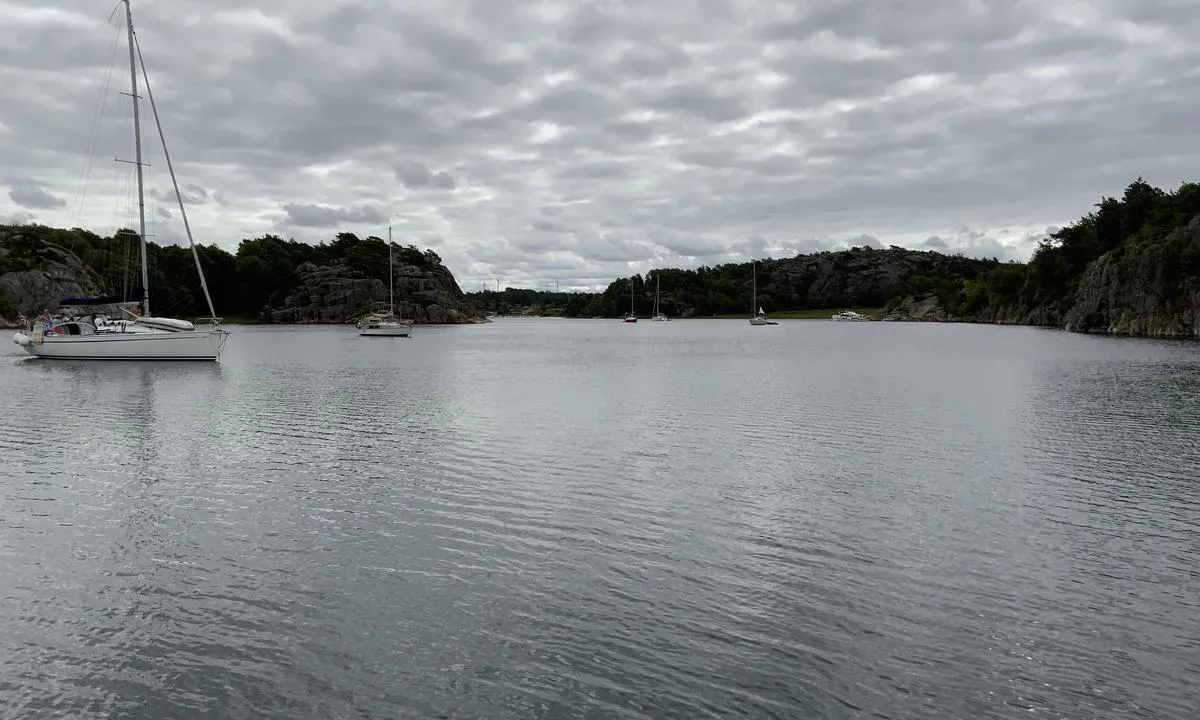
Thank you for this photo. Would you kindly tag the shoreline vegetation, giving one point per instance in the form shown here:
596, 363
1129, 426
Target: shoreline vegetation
266, 280
818, 314
1130, 267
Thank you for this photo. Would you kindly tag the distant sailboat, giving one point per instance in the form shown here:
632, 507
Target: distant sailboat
759, 318
630, 317
386, 324
658, 315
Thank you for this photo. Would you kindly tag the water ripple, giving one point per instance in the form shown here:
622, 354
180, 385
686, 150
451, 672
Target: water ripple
578, 520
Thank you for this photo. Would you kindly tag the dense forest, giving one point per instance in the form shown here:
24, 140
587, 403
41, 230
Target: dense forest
262, 272
1146, 231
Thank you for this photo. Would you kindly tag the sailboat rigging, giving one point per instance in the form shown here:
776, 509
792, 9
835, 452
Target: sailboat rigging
658, 315
96, 336
631, 317
759, 318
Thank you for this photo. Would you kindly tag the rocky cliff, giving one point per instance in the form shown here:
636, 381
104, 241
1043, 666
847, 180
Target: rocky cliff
1130, 268
338, 294
1150, 289
35, 275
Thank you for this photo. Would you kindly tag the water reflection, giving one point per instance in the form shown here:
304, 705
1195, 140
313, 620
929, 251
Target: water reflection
588, 520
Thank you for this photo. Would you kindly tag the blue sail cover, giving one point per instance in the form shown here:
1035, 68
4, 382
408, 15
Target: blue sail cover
132, 296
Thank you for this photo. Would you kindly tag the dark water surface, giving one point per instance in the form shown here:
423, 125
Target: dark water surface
587, 519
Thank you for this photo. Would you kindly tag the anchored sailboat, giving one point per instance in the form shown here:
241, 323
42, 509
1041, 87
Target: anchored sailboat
759, 318
630, 317
658, 315
386, 324
141, 336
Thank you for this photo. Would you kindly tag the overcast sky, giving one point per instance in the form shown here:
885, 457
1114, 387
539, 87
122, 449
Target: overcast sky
580, 141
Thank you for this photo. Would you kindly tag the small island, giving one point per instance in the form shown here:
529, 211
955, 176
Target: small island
268, 279
1131, 267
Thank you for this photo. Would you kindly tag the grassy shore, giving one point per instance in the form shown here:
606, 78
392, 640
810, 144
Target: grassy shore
822, 314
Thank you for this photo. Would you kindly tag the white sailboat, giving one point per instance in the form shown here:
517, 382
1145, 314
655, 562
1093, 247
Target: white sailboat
142, 336
630, 317
658, 315
386, 324
759, 318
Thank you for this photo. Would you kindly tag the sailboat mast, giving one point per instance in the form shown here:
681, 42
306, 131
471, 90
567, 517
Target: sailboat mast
391, 292
753, 285
137, 141
187, 226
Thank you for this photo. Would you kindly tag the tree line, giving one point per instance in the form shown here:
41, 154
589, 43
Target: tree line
966, 287
261, 272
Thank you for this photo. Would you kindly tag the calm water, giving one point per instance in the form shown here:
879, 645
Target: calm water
586, 519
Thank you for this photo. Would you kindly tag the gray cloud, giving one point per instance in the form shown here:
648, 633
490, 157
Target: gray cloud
580, 141
324, 216
28, 193
415, 175
549, 226
192, 195
17, 218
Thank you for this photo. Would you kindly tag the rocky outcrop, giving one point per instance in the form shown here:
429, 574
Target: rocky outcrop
296, 282
1150, 289
32, 283
930, 309
1149, 285
338, 294
926, 310
861, 277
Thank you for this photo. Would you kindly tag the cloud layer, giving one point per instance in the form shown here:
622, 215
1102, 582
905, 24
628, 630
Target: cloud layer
559, 140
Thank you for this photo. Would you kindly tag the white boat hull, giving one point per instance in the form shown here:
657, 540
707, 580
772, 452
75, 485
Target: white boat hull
195, 345
849, 316
389, 330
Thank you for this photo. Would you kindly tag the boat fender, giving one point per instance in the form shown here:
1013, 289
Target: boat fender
21, 339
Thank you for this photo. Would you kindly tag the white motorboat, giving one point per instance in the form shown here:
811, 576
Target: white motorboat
849, 316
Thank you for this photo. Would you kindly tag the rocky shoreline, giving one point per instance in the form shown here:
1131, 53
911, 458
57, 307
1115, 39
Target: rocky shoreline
1140, 291
40, 266
335, 295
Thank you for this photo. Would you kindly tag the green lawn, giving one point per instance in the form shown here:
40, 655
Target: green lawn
822, 314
